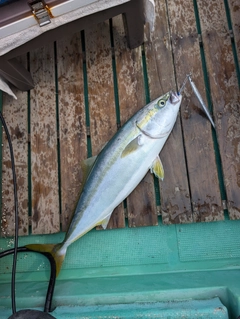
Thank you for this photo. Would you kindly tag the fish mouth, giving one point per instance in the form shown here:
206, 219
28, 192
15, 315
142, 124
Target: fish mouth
174, 98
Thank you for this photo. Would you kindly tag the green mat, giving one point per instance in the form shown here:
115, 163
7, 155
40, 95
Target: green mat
148, 264
208, 309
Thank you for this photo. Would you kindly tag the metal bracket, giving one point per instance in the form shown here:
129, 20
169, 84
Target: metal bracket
231, 34
224, 204
41, 12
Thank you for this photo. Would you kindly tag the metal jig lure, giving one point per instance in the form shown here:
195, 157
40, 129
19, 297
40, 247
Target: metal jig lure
198, 95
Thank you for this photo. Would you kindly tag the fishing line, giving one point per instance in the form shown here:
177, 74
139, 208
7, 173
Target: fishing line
16, 214
184, 83
51, 284
25, 314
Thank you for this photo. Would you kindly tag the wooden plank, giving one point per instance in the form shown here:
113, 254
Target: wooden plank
234, 7
15, 113
201, 165
225, 96
44, 165
174, 190
101, 97
72, 124
141, 203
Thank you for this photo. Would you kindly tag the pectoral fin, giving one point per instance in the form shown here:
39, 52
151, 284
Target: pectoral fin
133, 146
157, 168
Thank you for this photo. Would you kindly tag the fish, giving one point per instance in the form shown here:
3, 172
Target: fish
119, 167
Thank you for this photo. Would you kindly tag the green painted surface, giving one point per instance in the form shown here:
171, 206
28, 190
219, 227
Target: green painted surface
134, 251
148, 264
208, 309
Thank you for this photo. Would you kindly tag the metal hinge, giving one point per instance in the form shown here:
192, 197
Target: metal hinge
41, 12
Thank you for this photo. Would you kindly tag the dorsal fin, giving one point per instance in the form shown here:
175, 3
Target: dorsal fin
86, 166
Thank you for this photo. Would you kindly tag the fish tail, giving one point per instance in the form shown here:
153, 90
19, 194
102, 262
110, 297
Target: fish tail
53, 249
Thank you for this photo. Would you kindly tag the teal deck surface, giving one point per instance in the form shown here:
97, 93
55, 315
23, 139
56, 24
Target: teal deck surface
210, 309
124, 266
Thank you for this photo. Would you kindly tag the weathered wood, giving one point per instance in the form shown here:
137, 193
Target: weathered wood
101, 96
44, 164
201, 165
15, 113
141, 203
72, 124
174, 190
234, 7
225, 96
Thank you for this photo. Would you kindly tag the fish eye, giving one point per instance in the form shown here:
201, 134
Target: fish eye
161, 103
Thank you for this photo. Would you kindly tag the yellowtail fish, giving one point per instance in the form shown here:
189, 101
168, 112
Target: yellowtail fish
119, 168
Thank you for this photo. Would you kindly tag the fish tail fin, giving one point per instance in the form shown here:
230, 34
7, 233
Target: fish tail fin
54, 250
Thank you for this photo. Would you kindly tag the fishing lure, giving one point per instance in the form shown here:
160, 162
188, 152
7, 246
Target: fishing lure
198, 95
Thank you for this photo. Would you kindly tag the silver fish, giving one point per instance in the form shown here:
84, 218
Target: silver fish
119, 168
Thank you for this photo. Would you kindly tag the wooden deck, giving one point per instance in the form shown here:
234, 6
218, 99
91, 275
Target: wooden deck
89, 84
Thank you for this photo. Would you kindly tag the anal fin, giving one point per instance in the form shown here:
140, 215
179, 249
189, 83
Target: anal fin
105, 221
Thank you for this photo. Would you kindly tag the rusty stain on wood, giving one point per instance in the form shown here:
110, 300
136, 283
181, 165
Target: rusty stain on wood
100, 86
15, 114
72, 126
225, 96
174, 189
101, 96
202, 170
44, 166
141, 203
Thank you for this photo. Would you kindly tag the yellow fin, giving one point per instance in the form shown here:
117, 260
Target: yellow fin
86, 166
157, 168
53, 250
132, 146
104, 222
